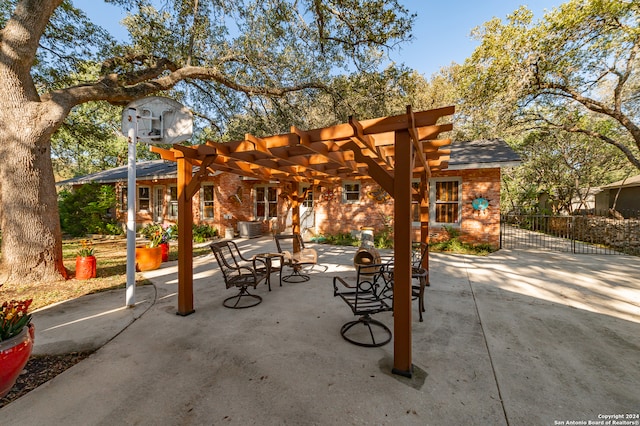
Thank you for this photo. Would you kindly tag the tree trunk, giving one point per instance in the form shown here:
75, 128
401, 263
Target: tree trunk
31, 235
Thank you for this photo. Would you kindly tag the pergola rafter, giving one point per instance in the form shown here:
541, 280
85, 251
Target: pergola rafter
390, 150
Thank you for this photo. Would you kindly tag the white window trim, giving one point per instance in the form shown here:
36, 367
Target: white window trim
212, 201
138, 199
266, 202
418, 223
309, 198
344, 192
432, 201
171, 201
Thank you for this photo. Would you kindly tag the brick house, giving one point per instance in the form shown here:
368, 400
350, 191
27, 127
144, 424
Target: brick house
465, 196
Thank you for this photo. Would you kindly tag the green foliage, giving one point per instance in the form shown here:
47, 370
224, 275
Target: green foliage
204, 232
564, 166
574, 71
87, 210
340, 239
453, 244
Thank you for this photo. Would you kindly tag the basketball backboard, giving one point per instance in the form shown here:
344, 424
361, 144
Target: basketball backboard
159, 120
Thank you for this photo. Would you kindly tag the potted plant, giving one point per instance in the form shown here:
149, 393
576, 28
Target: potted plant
16, 342
167, 233
85, 261
149, 256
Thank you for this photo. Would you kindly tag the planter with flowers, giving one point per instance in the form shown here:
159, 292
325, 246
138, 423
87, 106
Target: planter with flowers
149, 256
16, 342
85, 262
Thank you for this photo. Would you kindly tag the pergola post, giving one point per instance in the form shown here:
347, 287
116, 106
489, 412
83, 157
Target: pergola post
424, 218
185, 237
402, 362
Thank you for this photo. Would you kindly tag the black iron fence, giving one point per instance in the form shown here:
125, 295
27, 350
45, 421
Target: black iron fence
575, 234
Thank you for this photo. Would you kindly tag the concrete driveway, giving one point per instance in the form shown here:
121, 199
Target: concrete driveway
515, 338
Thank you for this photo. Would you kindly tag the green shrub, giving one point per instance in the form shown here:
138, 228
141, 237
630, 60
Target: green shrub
202, 233
88, 210
454, 245
339, 239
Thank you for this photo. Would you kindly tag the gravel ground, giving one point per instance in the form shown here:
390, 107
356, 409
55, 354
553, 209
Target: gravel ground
41, 369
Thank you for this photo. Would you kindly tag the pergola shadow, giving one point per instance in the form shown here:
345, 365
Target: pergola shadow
390, 150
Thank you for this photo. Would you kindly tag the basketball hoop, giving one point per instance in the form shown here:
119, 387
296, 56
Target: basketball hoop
150, 120
159, 120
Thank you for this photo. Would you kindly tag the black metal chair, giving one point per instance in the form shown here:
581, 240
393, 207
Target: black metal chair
365, 299
296, 256
239, 272
419, 251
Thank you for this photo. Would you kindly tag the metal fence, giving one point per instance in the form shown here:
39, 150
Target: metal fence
575, 234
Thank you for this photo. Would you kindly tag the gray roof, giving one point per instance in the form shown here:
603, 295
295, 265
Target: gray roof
479, 154
145, 170
482, 154
624, 183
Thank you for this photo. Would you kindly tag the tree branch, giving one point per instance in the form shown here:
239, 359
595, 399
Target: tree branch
111, 87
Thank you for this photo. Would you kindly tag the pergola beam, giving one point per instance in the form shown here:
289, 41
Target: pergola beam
389, 150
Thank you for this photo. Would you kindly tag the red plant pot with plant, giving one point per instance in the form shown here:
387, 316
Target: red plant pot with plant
164, 247
86, 267
85, 261
16, 342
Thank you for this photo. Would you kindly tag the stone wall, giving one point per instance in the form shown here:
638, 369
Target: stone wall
619, 234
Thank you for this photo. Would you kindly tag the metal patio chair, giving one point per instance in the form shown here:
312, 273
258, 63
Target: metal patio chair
296, 256
364, 297
240, 273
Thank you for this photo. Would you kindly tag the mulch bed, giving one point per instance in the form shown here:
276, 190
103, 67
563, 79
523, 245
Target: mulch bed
40, 369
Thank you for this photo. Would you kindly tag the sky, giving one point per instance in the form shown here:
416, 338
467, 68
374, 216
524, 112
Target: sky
441, 31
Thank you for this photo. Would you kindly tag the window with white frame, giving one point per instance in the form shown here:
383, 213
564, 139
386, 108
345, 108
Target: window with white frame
123, 199
308, 201
172, 202
350, 192
266, 202
415, 204
144, 198
206, 201
445, 200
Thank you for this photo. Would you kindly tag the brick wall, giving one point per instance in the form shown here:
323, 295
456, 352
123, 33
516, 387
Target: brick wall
476, 226
333, 216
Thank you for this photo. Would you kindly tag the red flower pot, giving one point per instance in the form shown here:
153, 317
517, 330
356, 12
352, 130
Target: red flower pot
14, 354
165, 251
85, 267
148, 258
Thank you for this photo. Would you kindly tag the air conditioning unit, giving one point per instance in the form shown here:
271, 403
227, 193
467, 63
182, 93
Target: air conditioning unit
250, 229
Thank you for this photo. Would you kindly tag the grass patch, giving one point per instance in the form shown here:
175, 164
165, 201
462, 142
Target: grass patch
111, 258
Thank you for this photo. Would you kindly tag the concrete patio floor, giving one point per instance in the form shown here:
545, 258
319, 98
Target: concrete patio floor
515, 338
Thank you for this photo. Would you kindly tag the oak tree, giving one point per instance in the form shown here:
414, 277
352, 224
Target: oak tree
219, 55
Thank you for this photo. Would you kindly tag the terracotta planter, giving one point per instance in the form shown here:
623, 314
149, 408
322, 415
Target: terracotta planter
148, 258
165, 251
14, 354
85, 267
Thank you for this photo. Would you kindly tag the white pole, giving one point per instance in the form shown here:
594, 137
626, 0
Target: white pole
131, 210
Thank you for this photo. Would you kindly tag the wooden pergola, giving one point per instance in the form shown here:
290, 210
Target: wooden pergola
390, 150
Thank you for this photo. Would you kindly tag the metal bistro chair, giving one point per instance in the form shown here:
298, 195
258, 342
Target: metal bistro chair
295, 259
365, 299
419, 250
240, 273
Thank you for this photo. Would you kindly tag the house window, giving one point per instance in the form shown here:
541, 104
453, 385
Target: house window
144, 198
123, 199
206, 198
350, 193
308, 201
266, 204
415, 203
445, 200
172, 206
